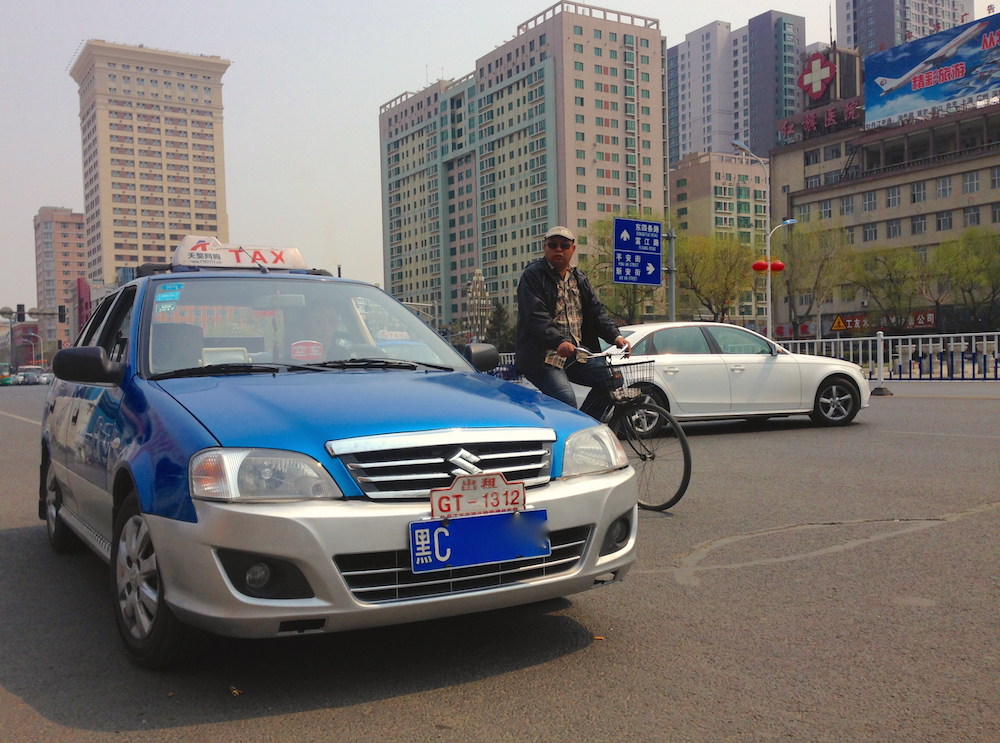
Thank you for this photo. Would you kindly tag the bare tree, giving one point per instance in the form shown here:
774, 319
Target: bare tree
889, 276
814, 259
714, 270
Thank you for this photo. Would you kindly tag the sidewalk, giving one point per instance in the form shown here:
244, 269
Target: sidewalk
983, 390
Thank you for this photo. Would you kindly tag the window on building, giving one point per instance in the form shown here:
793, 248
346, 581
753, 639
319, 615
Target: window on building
868, 201
847, 205
894, 228
943, 187
892, 196
870, 232
918, 224
803, 212
825, 209
943, 221
970, 216
918, 192
812, 157
970, 182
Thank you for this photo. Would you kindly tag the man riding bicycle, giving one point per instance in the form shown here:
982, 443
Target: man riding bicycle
558, 310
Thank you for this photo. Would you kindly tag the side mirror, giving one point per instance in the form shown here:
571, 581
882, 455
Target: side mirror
87, 364
483, 356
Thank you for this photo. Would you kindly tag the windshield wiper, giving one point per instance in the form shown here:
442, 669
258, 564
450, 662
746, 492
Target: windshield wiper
365, 364
215, 370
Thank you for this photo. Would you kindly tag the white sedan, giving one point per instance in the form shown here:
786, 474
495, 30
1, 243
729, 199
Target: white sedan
706, 371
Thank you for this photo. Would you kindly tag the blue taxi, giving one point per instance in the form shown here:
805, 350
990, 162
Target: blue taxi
258, 449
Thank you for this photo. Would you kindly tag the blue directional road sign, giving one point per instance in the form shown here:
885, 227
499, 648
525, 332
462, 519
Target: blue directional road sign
638, 252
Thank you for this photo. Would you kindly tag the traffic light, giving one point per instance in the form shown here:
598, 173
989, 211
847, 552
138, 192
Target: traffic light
62, 313
20, 313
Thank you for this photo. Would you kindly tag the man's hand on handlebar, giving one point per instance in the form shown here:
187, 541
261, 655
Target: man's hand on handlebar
566, 349
622, 342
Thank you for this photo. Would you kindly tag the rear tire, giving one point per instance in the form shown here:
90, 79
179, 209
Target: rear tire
658, 451
153, 636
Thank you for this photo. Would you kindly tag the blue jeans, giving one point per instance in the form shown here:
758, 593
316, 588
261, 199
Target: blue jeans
555, 382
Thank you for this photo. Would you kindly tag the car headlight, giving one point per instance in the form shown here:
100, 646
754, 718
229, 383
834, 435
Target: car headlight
591, 451
258, 476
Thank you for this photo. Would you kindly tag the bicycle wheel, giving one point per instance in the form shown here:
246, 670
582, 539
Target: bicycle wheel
658, 451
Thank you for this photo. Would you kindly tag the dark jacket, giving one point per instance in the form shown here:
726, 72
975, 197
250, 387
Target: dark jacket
537, 332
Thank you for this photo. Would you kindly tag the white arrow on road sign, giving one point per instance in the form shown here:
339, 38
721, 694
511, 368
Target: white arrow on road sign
650, 268
624, 236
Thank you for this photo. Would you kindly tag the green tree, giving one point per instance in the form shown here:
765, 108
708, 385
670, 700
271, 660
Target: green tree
499, 331
625, 303
889, 276
971, 265
714, 270
814, 259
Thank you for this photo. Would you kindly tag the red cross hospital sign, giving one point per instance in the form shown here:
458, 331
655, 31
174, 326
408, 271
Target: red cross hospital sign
817, 75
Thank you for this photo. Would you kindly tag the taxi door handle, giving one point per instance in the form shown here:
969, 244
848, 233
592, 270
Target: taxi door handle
671, 369
738, 368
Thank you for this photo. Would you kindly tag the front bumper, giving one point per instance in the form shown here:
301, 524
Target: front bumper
311, 535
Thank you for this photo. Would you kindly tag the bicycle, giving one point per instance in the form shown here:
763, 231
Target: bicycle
653, 439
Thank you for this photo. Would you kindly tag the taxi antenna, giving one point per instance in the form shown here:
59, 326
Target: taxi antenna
261, 266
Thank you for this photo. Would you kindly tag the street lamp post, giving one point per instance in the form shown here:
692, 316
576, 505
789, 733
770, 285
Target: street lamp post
767, 231
40, 360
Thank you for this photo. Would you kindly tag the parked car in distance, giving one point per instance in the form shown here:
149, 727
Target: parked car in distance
709, 371
46, 378
259, 450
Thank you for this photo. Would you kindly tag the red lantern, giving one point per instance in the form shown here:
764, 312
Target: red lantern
759, 266
777, 266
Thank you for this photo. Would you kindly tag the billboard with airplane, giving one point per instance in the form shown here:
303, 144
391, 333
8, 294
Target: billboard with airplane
936, 74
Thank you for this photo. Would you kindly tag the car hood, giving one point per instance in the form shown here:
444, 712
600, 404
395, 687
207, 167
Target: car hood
303, 410
828, 361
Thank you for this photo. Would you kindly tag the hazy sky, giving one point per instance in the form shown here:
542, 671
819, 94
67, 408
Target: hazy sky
301, 102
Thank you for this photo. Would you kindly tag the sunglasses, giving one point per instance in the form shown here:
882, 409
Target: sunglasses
558, 246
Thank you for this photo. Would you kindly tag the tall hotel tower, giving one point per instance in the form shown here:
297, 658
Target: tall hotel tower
153, 167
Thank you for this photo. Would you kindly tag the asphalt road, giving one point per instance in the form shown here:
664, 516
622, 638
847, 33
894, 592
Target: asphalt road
813, 585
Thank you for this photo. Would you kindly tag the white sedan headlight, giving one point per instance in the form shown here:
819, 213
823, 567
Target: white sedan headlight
258, 476
592, 451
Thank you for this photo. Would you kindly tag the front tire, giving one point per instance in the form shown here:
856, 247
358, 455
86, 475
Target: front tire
61, 537
658, 451
153, 636
837, 402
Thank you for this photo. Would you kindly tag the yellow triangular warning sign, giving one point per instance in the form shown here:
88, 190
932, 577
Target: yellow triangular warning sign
838, 324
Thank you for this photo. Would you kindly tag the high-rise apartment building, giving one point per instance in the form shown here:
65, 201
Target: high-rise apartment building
153, 165
873, 25
60, 259
563, 124
724, 85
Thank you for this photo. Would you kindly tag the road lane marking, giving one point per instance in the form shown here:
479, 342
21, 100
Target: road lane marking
17, 417
946, 435
687, 572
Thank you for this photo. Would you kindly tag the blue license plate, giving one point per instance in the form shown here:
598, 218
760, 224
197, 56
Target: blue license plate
478, 540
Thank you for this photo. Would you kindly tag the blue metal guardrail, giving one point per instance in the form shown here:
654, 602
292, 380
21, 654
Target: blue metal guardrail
969, 356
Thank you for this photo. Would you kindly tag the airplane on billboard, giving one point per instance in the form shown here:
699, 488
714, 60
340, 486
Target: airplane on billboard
942, 55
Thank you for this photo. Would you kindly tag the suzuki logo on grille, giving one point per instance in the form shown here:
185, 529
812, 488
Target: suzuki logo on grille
465, 461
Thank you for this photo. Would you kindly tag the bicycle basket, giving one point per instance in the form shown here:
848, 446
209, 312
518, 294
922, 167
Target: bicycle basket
623, 379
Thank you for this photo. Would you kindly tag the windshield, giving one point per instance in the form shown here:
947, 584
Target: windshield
200, 322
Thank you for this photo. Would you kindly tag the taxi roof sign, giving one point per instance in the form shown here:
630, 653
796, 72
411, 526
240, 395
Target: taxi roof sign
205, 251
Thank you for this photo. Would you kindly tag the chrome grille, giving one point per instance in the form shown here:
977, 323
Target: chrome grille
411, 465
382, 577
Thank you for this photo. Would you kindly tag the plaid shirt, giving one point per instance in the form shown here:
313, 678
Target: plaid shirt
568, 317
